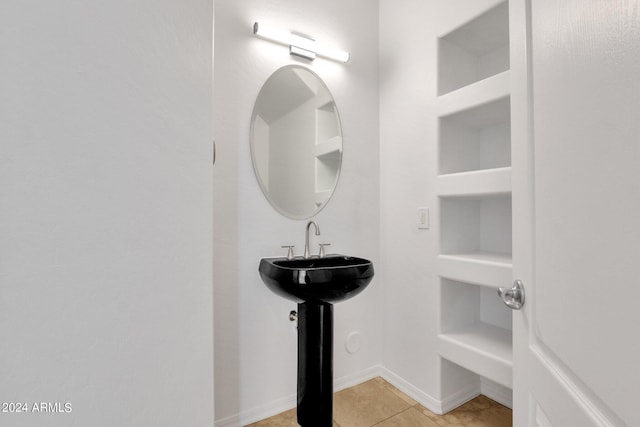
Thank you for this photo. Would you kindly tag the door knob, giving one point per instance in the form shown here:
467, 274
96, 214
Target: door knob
513, 297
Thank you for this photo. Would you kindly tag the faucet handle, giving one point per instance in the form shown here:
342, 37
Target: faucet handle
322, 245
290, 251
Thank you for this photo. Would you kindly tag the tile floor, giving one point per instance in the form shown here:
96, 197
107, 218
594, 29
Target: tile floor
378, 403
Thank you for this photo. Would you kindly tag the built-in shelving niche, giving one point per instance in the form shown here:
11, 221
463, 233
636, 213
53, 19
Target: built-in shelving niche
477, 138
474, 190
476, 330
327, 151
474, 51
477, 227
475, 259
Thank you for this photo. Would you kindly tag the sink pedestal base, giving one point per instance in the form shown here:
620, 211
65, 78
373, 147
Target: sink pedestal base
315, 365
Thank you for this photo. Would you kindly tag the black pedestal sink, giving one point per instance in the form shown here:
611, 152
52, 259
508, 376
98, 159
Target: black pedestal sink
315, 284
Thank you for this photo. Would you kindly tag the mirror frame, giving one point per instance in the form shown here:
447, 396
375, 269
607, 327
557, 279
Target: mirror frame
265, 192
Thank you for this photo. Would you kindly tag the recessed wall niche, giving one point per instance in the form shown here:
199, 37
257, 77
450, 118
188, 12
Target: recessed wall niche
475, 214
328, 150
476, 225
476, 50
477, 138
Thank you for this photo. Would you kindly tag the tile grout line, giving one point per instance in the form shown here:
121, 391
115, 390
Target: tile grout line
388, 418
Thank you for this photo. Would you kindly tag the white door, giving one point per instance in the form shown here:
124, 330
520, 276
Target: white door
576, 161
105, 213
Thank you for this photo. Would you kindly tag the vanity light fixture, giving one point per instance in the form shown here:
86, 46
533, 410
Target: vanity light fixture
299, 45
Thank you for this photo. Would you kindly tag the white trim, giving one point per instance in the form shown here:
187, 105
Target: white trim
460, 397
497, 392
429, 402
258, 413
357, 378
592, 406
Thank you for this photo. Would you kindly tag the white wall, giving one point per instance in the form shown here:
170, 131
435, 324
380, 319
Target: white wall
407, 175
256, 344
105, 212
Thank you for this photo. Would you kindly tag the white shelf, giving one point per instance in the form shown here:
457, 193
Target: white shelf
476, 94
480, 268
475, 183
482, 348
330, 146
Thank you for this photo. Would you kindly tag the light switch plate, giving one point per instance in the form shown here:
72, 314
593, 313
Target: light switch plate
423, 218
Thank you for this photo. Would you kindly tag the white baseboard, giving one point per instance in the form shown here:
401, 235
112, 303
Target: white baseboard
460, 397
357, 378
497, 392
258, 413
492, 390
429, 402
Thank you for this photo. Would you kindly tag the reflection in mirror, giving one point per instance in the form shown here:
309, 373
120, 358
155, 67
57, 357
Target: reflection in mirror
296, 142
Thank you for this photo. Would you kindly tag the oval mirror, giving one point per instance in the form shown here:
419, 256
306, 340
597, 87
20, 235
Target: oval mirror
296, 142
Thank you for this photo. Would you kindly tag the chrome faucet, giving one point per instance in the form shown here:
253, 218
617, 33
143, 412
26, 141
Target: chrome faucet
306, 237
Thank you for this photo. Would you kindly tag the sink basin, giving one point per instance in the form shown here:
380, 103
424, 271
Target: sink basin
330, 279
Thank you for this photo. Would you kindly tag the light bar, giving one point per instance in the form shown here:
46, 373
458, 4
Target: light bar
299, 45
